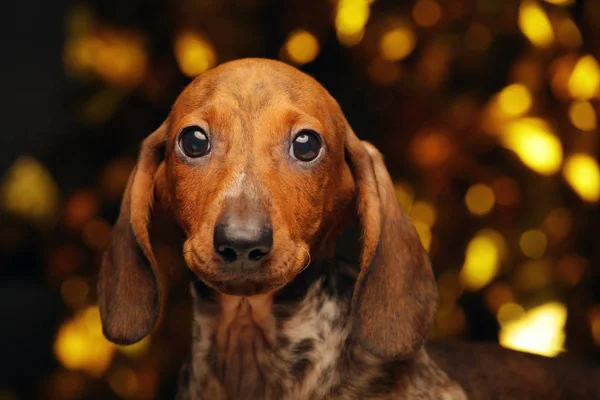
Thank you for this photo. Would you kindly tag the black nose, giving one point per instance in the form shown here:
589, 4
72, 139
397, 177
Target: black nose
242, 239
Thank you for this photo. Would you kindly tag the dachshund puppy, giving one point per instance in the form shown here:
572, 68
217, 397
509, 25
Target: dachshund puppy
259, 168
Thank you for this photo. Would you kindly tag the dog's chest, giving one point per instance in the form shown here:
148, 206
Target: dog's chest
297, 351
291, 352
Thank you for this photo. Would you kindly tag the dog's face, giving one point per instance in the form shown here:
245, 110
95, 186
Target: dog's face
252, 165
254, 174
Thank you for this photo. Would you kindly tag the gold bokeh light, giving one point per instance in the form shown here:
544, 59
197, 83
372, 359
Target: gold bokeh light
535, 24
535, 144
80, 344
538, 331
482, 259
350, 20
582, 173
194, 53
480, 199
397, 43
583, 115
302, 47
424, 232
560, 2
533, 243
29, 191
117, 56
584, 82
405, 195
515, 100
423, 211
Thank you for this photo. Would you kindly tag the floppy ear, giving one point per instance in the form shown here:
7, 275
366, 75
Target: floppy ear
395, 296
129, 290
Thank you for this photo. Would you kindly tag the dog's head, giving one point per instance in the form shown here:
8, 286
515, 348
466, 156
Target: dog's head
258, 166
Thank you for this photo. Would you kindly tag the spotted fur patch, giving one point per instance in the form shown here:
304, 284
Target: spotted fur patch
309, 354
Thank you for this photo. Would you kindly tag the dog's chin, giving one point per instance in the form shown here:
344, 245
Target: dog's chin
264, 280
242, 285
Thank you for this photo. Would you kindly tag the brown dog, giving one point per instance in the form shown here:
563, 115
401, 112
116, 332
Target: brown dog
258, 166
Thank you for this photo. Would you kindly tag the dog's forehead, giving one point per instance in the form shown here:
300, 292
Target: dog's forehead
256, 87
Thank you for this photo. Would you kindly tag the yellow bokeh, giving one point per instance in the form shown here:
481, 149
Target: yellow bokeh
397, 43
535, 144
80, 344
426, 13
29, 191
534, 24
194, 54
560, 2
351, 40
405, 195
482, 260
350, 20
137, 349
583, 115
122, 59
424, 212
302, 47
515, 100
582, 173
480, 199
584, 82
424, 232
533, 243
508, 312
539, 330
117, 56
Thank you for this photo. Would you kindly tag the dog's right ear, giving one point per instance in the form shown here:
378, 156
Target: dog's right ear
129, 289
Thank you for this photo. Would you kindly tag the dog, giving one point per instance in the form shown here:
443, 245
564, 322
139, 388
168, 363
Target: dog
258, 166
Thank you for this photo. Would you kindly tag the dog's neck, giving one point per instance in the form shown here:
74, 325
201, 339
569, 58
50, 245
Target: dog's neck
296, 344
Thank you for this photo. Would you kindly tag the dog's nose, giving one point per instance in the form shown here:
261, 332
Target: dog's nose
245, 240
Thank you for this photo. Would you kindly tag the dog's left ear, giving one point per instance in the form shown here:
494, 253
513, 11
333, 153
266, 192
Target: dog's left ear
395, 297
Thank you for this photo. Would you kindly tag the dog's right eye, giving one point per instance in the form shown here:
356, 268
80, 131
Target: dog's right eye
194, 142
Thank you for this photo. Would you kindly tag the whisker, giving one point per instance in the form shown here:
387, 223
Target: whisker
309, 258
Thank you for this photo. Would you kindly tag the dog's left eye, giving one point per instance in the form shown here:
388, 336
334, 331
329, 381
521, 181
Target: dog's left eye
306, 145
194, 142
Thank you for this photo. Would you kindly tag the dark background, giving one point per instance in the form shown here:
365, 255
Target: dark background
84, 82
